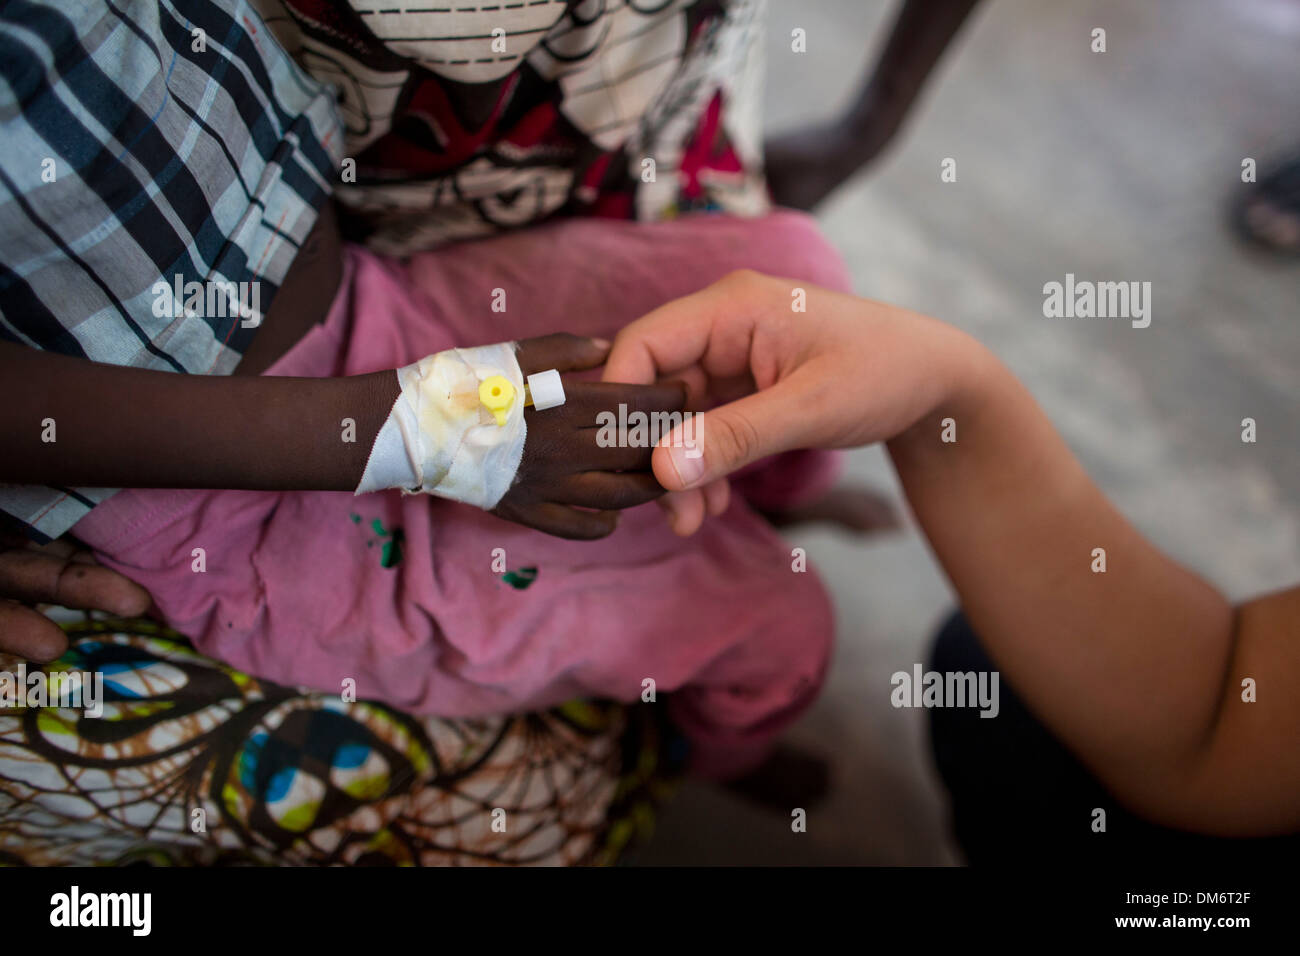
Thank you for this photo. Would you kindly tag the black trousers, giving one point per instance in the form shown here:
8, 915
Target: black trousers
1019, 796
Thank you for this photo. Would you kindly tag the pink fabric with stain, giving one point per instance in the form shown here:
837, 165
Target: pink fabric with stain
735, 638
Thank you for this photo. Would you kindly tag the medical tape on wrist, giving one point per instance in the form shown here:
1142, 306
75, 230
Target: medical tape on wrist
439, 438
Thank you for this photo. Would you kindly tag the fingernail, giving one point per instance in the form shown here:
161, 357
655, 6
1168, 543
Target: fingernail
600, 343
689, 469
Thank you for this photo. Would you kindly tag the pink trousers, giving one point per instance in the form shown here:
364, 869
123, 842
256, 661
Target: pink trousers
300, 588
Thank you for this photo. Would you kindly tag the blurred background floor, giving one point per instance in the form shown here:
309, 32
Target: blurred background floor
1114, 166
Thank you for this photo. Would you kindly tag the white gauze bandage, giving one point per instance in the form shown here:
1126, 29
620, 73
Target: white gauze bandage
439, 438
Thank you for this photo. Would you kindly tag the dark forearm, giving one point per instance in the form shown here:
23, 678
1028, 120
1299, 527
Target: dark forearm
920, 34
68, 421
805, 166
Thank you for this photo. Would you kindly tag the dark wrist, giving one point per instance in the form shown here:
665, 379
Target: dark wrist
366, 400
872, 121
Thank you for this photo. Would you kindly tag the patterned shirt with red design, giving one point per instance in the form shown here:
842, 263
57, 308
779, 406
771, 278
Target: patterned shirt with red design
467, 118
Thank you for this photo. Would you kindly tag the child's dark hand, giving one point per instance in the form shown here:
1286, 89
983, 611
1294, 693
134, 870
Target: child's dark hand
563, 469
54, 573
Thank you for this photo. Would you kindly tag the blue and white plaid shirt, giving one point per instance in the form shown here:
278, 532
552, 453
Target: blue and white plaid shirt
141, 141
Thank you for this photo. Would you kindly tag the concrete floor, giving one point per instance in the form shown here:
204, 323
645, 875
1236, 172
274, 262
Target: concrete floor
1114, 166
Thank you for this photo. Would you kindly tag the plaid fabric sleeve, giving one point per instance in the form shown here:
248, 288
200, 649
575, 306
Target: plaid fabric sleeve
162, 163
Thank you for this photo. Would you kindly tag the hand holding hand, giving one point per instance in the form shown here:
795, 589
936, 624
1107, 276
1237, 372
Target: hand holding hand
846, 372
564, 468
